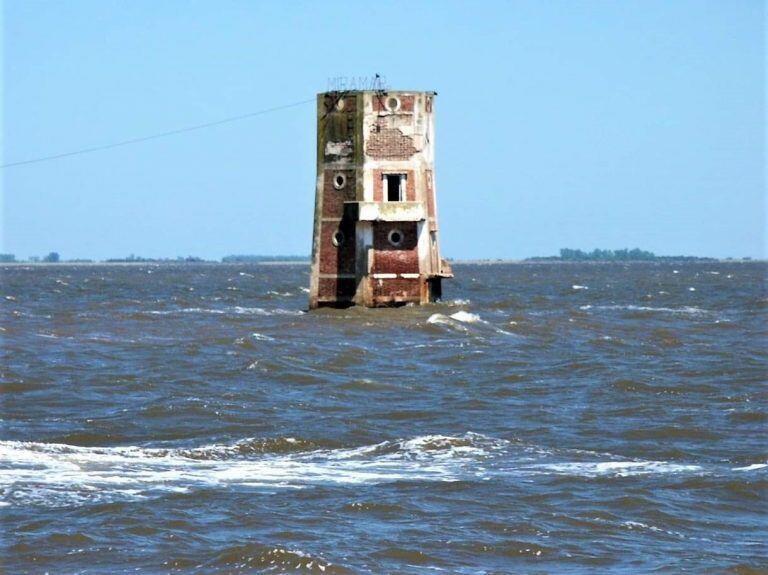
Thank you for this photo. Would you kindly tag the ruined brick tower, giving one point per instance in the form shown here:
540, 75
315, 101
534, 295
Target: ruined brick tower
376, 236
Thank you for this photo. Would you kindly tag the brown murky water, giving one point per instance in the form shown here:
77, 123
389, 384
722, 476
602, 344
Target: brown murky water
544, 418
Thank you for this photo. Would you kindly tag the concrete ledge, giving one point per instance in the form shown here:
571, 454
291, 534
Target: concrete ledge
385, 211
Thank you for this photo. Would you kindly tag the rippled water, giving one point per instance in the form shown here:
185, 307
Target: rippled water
546, 418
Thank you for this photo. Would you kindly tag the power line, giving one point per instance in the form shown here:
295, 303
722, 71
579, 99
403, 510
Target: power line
156, 136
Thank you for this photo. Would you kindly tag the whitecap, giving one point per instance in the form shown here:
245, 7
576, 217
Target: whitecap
751, 467
466, 317
460, 319
638, 524
237, 310
439, 318
579, 287
60, 474
615, 468
690, 310
261, 337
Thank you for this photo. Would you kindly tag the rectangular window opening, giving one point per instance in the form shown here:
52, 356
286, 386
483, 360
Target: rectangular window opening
395, 187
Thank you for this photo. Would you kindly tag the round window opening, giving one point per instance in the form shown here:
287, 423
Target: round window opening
339, 181
393, 104
338, 238
395, 237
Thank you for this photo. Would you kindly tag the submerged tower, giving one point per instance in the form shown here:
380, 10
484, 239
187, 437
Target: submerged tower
375, 238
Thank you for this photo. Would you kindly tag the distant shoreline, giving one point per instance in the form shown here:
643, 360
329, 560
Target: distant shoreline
157, 263
606, 262
479, 262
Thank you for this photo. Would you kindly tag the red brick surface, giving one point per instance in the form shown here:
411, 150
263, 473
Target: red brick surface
396, 289
337, 260
336, 288
395, 260
380, 103
333, 199
389, 144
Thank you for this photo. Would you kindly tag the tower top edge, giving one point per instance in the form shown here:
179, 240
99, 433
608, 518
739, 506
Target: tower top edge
382, 92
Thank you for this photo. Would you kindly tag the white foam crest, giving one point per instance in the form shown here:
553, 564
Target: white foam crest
459, 320
690, 310
752, 467
261, 337
612, 468
444, 320
438, 318
237, 310
466, 317
59, 474
578, 287
427, 447
460, 316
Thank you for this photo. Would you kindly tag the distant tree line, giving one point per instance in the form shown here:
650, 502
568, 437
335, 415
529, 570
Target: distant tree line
138, 259
622, 255
51, 258
239, 259
54, 257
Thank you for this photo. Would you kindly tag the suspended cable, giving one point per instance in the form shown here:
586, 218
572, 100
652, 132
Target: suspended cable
156, 136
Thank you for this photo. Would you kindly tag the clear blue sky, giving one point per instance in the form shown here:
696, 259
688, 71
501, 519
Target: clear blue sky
559, 124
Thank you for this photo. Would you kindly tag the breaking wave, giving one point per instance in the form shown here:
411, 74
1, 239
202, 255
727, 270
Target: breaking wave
687, 310
233, 310
460, 316
59, 474
462, 320
614, 468
63, 475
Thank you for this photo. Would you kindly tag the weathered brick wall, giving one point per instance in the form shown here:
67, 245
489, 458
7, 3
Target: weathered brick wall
396, 289
380, 103
333, 199
389, 144
336, 288
378, 185
337, 259
391, 259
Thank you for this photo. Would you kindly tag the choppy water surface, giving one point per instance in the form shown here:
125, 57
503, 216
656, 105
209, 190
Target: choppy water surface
546, 418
